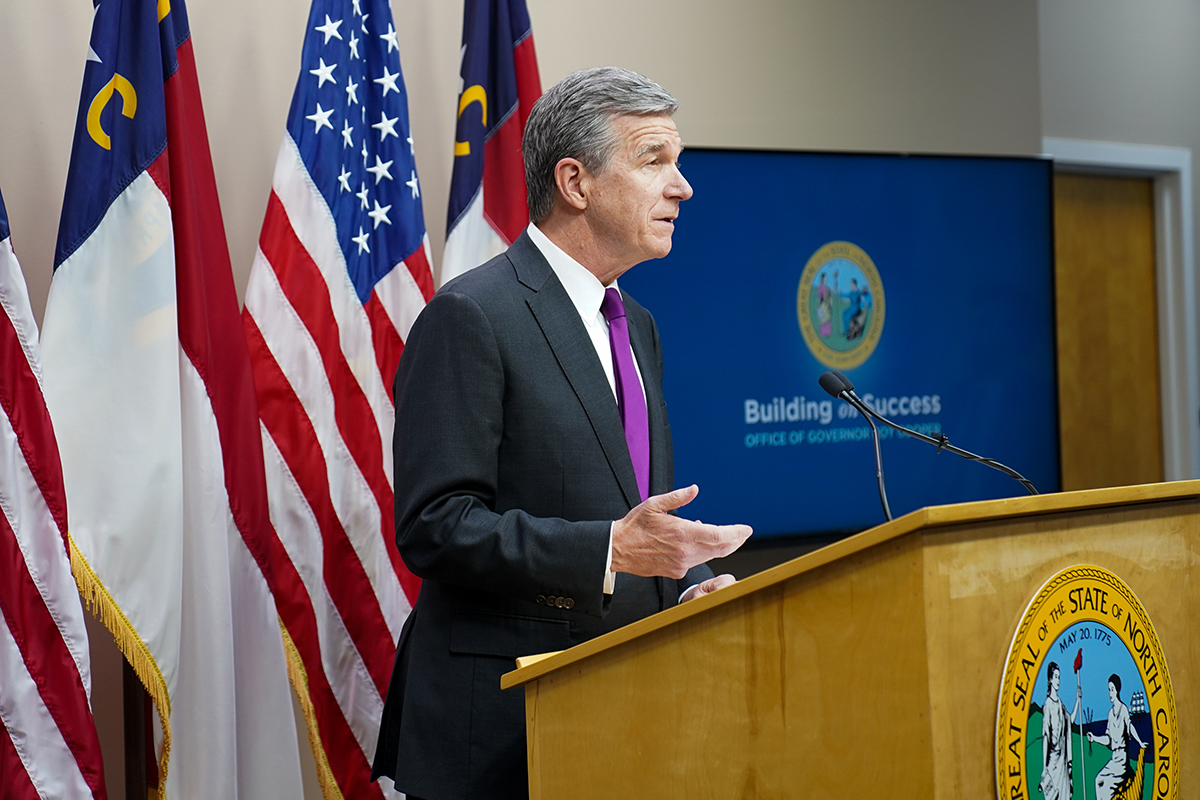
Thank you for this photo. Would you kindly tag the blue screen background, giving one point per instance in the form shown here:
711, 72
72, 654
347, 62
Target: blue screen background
963, 248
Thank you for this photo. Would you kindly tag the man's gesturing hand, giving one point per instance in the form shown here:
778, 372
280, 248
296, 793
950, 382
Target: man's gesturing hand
708, 587
653, 543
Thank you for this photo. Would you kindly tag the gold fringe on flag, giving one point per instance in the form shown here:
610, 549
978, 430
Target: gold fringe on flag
102, 606
299, 678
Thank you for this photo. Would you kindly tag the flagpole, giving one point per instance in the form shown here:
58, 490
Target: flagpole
1082, 763
1079, 693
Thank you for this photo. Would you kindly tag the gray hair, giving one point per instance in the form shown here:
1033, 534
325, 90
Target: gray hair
573, 119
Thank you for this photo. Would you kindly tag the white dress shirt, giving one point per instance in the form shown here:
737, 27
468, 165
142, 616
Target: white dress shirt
586, 293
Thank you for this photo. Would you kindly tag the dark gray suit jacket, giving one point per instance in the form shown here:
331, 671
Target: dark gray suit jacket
511, 464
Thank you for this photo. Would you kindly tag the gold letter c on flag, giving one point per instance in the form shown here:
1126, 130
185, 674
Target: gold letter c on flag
128, 107
471, 95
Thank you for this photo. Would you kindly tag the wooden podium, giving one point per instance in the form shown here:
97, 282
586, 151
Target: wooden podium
869, 668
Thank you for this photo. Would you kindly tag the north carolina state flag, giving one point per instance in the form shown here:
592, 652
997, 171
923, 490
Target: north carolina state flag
148, 381
499, 84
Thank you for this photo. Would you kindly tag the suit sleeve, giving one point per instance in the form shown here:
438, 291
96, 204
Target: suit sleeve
449, 393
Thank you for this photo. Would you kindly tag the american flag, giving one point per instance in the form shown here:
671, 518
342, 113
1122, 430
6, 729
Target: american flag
48, 743
148, 381
497, 88
342, 270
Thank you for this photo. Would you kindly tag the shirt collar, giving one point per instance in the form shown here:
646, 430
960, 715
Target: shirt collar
584, 288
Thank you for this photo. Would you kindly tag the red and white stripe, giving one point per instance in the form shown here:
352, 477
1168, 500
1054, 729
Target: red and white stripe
48, 742
323, 365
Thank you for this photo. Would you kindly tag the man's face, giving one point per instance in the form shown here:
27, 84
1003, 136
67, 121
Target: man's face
634, 201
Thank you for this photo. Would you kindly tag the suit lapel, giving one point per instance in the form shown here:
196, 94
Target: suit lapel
560, 324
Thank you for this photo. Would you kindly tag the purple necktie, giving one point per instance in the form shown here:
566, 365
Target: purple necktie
630, 400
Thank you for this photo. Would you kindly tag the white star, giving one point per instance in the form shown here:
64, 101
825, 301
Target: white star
347, 133
364, 22
364, 151
389, 81
91, 52
380, 170
330, 29
390, 38
386, 126
380, 214
351, 91
321, 118
357, 7
354, 45
363, 196
361, 240
462, 58
412, 183
344, 180
324, 73
411, 150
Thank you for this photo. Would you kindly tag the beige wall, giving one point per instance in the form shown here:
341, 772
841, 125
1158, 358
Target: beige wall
821, 74
1121, 72
849, 75
921, 75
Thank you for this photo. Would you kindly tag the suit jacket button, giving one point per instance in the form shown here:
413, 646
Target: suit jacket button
560, 602
541, 598
568, 604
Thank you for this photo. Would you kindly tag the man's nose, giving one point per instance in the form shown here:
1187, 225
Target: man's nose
679, 188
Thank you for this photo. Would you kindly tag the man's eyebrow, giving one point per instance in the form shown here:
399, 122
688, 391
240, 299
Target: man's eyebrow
654, 147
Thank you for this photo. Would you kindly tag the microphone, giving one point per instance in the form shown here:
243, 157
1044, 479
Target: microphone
942, 442
837, 385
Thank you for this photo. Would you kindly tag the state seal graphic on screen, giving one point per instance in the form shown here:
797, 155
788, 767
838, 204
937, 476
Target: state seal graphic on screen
1086, 707
840, 305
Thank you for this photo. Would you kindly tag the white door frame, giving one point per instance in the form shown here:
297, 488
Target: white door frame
1178, 342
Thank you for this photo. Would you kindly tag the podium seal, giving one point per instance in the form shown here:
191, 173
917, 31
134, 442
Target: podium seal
1086, 707
840, 305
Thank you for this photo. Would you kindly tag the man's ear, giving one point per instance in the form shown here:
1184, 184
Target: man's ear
571, 178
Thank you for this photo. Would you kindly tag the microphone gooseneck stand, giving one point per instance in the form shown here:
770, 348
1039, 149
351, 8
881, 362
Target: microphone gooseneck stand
838, 385
942, 442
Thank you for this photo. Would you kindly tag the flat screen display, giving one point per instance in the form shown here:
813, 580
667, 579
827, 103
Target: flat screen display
927, 280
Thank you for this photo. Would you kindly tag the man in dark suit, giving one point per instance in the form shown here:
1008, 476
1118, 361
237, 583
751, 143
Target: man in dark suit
524, 496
